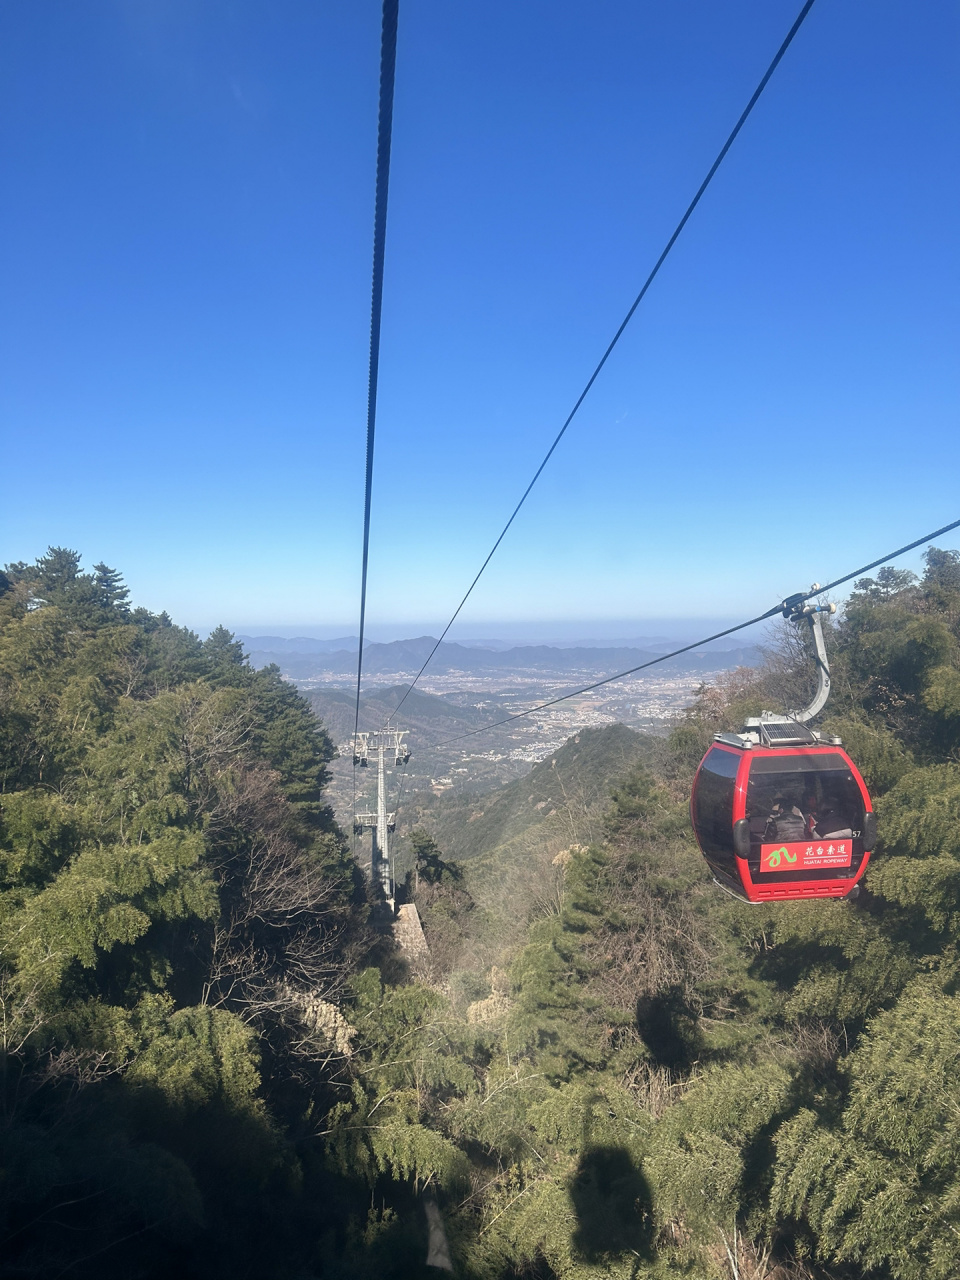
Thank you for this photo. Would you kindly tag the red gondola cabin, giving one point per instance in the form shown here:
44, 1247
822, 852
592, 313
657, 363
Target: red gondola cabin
779, 813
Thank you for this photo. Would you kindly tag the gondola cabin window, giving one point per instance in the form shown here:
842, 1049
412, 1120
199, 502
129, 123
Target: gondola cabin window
713, 805
803, 813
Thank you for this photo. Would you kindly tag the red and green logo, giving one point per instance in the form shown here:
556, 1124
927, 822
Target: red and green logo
806, 855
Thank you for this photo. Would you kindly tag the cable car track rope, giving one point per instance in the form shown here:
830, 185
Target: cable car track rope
788, 40
388, 65
741, 626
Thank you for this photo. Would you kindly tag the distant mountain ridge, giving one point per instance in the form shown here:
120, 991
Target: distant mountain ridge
407, 656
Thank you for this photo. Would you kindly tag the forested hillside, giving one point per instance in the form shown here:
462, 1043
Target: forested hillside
214, 1065
178, 919
565, 792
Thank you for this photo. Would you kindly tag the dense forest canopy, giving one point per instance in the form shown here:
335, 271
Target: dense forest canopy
216, 1063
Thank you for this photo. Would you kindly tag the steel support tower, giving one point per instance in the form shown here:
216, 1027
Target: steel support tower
384, 745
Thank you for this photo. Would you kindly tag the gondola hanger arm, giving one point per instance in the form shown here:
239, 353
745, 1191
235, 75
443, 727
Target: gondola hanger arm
799, 609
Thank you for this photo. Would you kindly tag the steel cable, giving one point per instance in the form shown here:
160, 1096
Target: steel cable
388, 64
741, 626
788, 40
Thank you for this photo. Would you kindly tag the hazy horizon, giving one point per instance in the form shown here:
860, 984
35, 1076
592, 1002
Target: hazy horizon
565, 633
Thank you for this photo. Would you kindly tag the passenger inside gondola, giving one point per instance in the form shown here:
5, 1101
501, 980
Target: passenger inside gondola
773, 812
809, 807
786, 821
832, 824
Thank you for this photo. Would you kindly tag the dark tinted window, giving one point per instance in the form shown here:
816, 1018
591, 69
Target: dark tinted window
713, 804
821, 788
811, 763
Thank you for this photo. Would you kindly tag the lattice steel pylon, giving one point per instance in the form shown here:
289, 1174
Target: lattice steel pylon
380, 746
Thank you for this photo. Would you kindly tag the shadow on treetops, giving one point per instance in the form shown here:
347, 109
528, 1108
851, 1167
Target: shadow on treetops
613, 1205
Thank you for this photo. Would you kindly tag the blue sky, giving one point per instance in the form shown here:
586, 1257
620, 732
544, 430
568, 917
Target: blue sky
185, 240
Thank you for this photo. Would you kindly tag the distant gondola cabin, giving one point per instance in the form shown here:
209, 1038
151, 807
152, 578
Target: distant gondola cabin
781, 822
